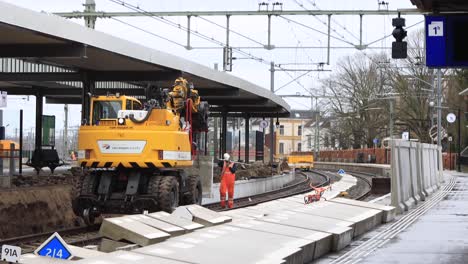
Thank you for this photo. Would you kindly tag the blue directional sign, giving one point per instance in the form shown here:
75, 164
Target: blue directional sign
54, 247
446, 41
436, 41
375, 141
341, 171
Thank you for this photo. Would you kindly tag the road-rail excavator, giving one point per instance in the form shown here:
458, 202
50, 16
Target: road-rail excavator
136, 156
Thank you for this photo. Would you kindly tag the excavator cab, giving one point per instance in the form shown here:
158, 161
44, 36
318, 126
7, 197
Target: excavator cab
105, 109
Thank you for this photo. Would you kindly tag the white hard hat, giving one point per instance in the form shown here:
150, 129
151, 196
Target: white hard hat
226, 156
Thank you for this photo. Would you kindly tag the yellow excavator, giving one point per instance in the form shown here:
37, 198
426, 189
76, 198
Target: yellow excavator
136, 155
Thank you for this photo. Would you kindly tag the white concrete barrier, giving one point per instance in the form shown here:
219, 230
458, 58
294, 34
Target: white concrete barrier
251, 187
416, 172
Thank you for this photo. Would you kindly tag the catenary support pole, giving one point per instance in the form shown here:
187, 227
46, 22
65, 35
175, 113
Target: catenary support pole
20, 170
272, 89
247, 127
439, 107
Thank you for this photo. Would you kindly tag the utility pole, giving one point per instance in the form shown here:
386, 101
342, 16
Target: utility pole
317, 127
391, 118
90, 7
65, 132
272, 89
439, 107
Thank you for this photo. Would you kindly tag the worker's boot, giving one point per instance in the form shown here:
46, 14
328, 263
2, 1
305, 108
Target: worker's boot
223, 203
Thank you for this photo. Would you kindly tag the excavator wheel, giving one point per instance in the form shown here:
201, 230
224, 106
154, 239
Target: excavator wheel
196, 193
153, 188
168, 196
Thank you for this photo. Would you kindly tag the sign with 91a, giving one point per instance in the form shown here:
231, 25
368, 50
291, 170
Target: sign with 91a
11, 253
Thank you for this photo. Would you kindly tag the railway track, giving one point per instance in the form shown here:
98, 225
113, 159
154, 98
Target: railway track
82, 236
363, 187
300, 185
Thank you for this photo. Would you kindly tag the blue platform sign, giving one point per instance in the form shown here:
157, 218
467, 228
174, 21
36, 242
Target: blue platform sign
54, 247
341, 171
436, 45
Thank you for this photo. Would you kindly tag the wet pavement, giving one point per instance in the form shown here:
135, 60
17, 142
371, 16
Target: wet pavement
439, 236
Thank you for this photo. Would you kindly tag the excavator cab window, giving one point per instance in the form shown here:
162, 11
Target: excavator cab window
105, 110
133, 105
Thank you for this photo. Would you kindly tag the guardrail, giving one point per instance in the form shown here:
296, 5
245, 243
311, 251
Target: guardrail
417, 172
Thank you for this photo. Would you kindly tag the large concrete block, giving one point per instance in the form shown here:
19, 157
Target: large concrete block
342, 231
230, 244
363, 219
83, 253
126, 228
109, 245
388, 212
205, 216
321, 245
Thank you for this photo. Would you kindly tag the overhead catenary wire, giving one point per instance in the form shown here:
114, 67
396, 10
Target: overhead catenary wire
148, 32
198, 34
335, 21
316, 30
176, 25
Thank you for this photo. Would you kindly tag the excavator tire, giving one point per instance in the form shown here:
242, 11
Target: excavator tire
89, 183
168, 196
153, 187
196, 193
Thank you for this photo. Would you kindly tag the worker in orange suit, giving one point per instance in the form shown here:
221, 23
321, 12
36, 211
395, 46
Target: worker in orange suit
228, 178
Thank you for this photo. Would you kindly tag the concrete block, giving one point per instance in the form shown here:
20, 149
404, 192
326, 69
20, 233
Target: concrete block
232, 245
207, 217
186, 224
388, 212
125, 228
82, 253
321, 245
128, 247
363, 219
109, 245
158, 224
342, 231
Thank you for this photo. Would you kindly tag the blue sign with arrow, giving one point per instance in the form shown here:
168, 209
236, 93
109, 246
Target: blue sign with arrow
54, 247
341, 171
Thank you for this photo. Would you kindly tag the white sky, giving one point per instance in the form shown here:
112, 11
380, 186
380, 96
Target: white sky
283, 34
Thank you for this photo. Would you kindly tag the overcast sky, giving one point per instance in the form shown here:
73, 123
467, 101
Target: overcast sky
284, 33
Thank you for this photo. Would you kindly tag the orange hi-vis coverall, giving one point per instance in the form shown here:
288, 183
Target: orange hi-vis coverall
228, 178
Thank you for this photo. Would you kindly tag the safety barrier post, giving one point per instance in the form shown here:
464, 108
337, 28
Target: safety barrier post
12, 159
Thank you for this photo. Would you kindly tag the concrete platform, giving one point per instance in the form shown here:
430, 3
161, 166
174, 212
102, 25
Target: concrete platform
125, 257
33, 259
126, 228
184, 223
439, 236
388, 212
229, 244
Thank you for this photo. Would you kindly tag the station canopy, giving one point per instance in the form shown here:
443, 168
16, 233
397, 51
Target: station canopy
43, 54
441, 5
